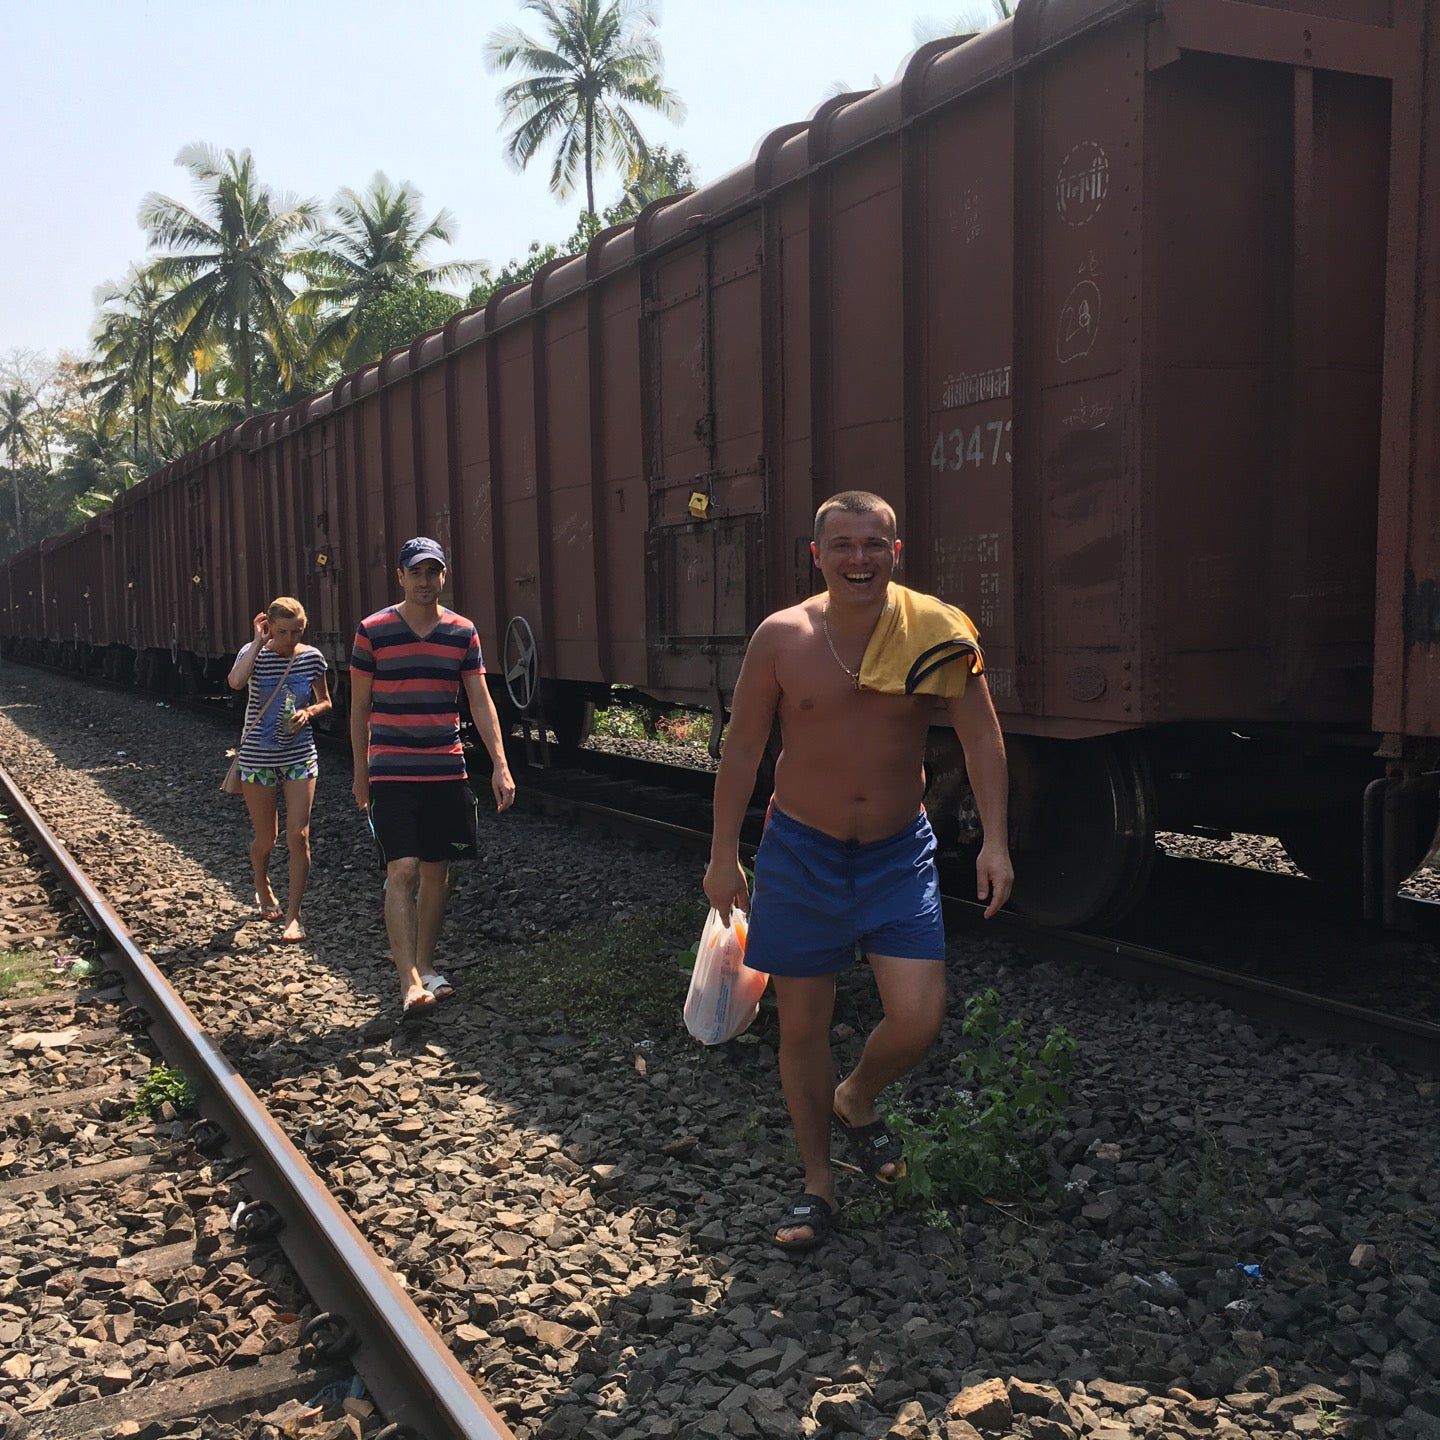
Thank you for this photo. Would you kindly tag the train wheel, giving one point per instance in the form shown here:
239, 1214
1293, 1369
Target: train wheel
1084, 829
569, 715
1329, 850
1329, 847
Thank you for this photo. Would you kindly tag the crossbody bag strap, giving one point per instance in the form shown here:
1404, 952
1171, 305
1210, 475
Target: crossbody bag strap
264, 709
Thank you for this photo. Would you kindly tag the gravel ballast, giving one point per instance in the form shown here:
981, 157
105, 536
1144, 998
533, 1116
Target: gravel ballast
581, 1198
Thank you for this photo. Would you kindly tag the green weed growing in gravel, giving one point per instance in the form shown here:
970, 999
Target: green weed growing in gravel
624, 722
607, 973
162, 1084
986, 1138
1218, 1195
686, 727
641, 722
23, 969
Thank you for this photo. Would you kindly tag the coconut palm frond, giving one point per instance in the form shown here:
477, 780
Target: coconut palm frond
589, 54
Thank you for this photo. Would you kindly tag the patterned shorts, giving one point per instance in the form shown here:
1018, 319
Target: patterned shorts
278, 774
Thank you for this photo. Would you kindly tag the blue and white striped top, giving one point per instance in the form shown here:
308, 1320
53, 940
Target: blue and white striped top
266, 743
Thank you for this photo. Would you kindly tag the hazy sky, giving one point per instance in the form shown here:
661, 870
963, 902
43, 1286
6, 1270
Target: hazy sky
98, 98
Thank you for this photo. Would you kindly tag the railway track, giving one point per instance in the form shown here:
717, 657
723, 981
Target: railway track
636, 806
648, 800
159, 1233
590, 1232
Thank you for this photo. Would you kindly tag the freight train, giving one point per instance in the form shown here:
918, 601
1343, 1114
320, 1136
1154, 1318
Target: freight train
1121, 303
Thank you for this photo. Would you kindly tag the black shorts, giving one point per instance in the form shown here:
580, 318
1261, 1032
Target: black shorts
423, 819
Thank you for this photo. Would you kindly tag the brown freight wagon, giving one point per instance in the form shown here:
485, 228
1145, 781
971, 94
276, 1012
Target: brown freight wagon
1120, 303
25, 598
75, 605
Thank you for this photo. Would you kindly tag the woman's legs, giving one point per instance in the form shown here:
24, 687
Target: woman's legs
260, 801
299, 800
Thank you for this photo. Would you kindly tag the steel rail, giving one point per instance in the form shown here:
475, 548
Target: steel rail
411, 1375
1299, 1011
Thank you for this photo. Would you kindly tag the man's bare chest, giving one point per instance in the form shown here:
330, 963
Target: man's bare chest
815, 686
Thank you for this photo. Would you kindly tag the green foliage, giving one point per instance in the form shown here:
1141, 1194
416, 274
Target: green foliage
513, 272
604, 973
578, 82
659, 172
228, 264
162, 1084
624, 722
527, 266
375, 247
253, 301
985, 1139
973, 17
23, 970
641, 722
1218, 1193
686, 727
399, 317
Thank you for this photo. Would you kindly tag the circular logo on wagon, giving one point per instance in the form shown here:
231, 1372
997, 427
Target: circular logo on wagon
1081, 183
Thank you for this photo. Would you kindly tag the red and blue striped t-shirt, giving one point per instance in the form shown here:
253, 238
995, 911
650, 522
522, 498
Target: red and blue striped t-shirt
414, 716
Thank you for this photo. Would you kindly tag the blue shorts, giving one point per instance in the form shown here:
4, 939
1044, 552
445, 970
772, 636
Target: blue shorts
817, 897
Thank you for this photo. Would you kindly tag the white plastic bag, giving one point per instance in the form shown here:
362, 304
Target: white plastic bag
725, 992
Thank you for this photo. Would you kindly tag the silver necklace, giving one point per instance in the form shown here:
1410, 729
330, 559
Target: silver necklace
825, 623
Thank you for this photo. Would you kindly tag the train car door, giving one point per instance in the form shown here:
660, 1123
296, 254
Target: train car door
701, 382
195, 634
320, 472
110, 626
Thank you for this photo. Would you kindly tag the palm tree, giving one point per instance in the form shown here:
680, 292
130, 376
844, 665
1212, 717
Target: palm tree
229, 265
659, 172
977, 15
597, 58
133, 337
17, 436
375, 247
96, 468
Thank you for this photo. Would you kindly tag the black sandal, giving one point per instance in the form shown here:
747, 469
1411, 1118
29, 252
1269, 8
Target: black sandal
809, 1210
874, 1145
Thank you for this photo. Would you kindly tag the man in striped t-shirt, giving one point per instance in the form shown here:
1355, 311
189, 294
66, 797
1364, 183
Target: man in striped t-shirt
405, 667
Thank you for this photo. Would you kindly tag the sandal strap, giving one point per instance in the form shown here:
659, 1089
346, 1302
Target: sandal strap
806, 1211
874, 1145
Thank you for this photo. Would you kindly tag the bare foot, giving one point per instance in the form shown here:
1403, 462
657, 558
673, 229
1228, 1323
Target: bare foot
416, 998
293, 933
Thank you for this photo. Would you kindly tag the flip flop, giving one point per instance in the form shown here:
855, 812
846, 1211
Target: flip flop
273, 912
294, 939
438, 986
874, 1145
809, 1210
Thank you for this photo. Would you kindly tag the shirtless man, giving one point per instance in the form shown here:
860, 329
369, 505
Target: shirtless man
848, 855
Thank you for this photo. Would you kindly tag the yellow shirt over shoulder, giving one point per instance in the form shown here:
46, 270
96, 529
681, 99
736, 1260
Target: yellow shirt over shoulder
921, 646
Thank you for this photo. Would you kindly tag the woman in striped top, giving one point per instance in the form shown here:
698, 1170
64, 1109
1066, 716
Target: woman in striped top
277, 748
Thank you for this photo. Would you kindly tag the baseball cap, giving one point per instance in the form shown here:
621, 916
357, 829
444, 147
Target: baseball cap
412, 552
